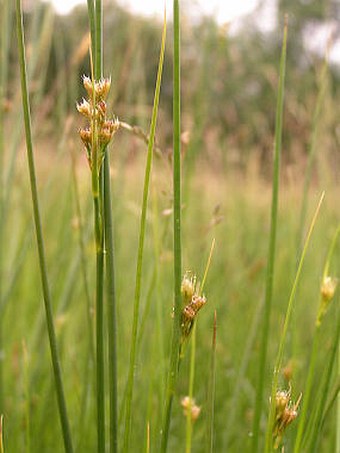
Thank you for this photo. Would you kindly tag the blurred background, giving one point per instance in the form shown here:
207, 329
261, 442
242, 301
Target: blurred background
230, 58
230, 64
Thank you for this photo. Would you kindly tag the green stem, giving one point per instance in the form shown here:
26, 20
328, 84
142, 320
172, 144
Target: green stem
99, 309
3, 92
312, 361
138, 284
283, 336
312, 152
39, 237
111, 308
211, 391
191, 391
176, 333
271, 250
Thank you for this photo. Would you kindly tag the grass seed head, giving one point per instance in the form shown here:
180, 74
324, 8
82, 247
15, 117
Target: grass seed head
101, 129
285, 412
327, 290
190, 407
192, 303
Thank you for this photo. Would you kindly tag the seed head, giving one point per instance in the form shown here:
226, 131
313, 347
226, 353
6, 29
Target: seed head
101, 129
327, 290
84, 108
102, 88
188, 287
88, 85
190, 407
285, 413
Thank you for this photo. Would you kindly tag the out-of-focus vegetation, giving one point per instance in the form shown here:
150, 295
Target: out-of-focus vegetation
228, 79
229, 91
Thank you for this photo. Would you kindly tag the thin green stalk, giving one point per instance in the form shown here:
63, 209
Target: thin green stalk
315, 430
3, 91
95, 18
191, 391
176, 333
278, 363
111, 308
39, 237
28, 399
312, 361
271, 250
211, 392
312, 152
97, 201
133, 350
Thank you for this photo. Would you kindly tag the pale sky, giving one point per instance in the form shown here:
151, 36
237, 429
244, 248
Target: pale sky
223, 10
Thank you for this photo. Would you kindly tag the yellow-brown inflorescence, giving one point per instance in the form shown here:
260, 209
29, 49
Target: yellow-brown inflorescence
98, 134
285, 413
192, 302
190, 407
327, 291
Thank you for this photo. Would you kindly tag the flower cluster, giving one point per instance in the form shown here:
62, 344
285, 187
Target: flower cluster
190, 408
192, 302
100, 131
327, 291
285, 413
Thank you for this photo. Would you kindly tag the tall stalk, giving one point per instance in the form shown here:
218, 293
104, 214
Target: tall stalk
176, 333
3, 89
271, 250
138, 285
279, 358
314, 354
39, 237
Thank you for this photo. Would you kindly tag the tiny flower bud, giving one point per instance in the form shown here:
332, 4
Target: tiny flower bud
87, 82
85, 135
190, 407
188, 287
328, 288
84, 108
102, 88
327, 291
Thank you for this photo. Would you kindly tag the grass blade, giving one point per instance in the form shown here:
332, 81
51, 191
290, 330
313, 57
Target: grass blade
39, 236
283, 336
176, 333
272, 246
133, 350
211, 392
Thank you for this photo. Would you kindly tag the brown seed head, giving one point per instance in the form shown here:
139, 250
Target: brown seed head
84, 108
328, 288
88, 85
102, 88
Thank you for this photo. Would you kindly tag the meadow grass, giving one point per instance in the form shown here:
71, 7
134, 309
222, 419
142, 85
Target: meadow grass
231, 365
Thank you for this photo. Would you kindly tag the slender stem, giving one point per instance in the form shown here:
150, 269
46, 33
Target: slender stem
138, 284
97, 201
39, 237
191, 390
312, 152
3, 91
312, 361
211, 392
271, 250
176, 333
111, 308
283, 336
